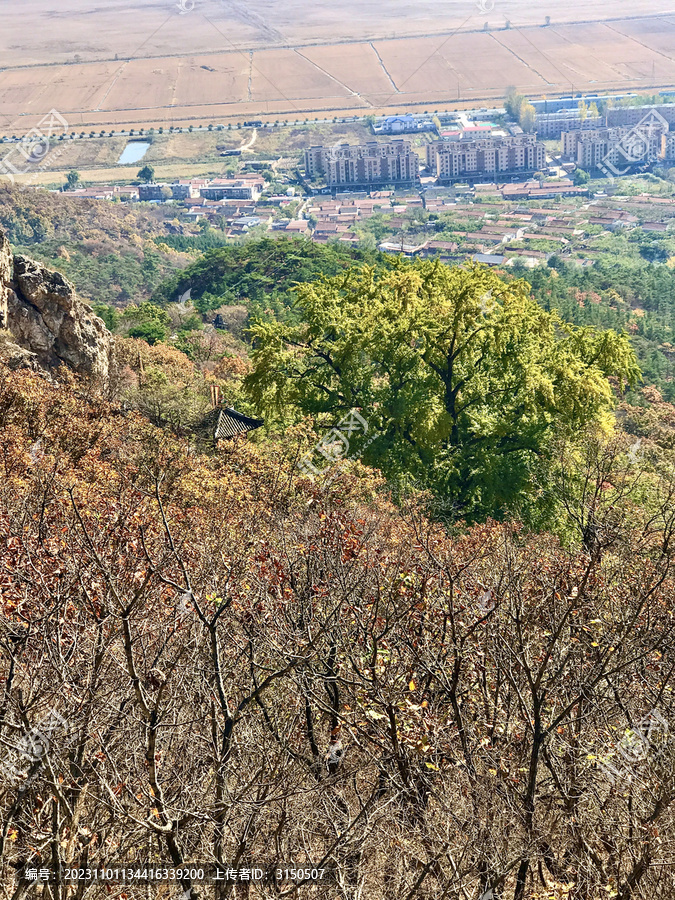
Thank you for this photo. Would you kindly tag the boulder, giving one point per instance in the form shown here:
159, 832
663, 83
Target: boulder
42, 311
16, 357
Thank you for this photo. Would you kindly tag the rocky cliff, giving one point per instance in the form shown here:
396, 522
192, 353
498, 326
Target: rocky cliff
44, 315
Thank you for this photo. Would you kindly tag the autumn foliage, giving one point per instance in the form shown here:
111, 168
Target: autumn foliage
256, 671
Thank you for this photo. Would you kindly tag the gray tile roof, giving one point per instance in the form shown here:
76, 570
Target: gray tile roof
230, 423
225, 422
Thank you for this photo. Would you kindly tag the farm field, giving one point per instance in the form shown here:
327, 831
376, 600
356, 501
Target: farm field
55, 178
169, 79
45, 32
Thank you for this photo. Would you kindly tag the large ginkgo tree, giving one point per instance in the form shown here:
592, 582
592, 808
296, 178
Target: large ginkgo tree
462, 378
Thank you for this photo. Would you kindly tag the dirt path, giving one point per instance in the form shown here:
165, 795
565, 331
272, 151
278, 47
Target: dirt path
250, 143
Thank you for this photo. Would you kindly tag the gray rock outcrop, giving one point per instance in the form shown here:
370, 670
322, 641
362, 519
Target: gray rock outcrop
44, 315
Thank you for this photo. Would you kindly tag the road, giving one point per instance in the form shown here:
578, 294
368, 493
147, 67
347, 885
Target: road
469, 113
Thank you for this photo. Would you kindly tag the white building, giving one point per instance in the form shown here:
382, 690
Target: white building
479, 157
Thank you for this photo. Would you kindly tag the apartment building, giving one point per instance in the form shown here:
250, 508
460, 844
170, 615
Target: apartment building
633, 115
553, 124
183, 190
364, 164
668, 146
485, 157
153, 192
617, 147
571, 140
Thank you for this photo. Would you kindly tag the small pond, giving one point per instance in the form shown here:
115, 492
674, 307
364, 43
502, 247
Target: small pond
133, 152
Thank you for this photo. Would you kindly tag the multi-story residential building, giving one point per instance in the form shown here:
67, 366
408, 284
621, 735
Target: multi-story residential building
599, 148
553, 124
570, 140
632, 115
154, 192
183, 190
668, 146
485, 157
617, 148
364, 164
314, 161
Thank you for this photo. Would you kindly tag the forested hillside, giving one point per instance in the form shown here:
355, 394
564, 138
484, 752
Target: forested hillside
240, 666
414, 633
118, 254
618, 293
262, 274
106, 249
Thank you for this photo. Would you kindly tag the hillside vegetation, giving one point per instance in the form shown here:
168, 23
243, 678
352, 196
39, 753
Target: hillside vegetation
415, 633
246, 666
463, 379
262, 274
106, 249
